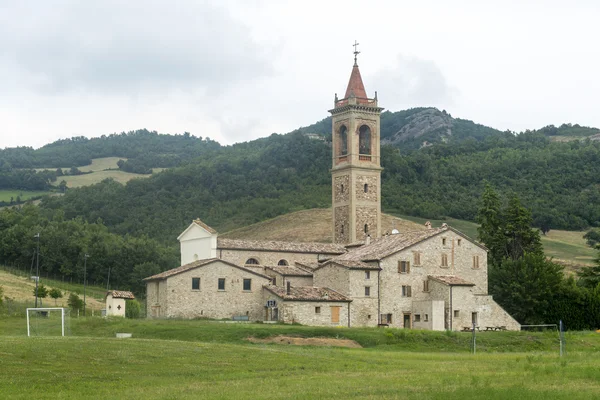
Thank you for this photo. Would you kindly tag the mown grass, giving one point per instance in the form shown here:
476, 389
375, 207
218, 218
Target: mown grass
75, 368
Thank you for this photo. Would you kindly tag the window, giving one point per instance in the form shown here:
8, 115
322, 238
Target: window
343, 140
367, 291
456, 313
221, 284
342, 188
426, 318
443, 241
417, 258
403, 267
417, 317
444, 260
367, 274
252, 261
364, 140
386, 318
195, 283
282, 262
406, 292
426, 285
342, 229
475, 261
459, 241
247, 284
274, 280
317, 310
474, 318
366, 228
195, 257
366, 188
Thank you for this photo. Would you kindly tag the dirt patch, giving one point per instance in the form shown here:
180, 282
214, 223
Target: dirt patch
298, 341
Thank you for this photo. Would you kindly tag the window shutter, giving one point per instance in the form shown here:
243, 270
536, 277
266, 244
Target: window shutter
407, 267
399, 267
409, 291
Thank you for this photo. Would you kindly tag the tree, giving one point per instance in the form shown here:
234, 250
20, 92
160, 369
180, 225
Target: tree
42, 291
592, 237
55, 294
490, 228
132, 309
519, 237
75, 302
589, 277
524, 287
63, 186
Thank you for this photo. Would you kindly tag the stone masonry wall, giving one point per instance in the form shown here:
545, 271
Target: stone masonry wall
366, 215
341, 224
266, 258
211, 302
305, 312
333, 277
341, 186
359, 187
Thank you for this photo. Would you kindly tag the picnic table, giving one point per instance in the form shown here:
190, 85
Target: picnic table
495, 328
469, 328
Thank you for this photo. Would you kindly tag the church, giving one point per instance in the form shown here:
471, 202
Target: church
434, 279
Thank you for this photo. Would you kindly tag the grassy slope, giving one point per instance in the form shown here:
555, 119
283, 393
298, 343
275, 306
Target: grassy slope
5, 195
20, 288
219, 366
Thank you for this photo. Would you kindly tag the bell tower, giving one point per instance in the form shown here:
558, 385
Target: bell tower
356, 168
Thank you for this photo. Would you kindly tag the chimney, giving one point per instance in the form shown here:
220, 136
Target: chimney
428, 225
368, 240
289, 288
444, 225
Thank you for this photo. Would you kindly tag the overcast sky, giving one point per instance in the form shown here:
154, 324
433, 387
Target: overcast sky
238, 70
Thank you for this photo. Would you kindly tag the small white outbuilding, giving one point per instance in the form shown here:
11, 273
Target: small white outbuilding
115, 302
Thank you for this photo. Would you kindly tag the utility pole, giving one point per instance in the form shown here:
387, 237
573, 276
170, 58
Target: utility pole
37, 268
108, 280
85, 257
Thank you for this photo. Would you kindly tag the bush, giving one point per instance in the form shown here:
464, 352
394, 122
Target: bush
75, 302
132, 309
42, 292
55, 294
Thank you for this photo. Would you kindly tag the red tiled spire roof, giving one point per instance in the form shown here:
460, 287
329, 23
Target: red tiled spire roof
355, 85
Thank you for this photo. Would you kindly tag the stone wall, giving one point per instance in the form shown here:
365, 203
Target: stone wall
366, 215
184, 302
305, 312
372, 183
341, 185
341, 224
334, 277
156, 299
268, 258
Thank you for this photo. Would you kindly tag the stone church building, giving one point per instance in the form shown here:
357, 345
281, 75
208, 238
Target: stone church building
434, 278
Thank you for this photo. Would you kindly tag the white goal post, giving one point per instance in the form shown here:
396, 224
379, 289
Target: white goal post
62, 317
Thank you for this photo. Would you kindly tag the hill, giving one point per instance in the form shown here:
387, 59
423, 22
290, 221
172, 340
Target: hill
308, 226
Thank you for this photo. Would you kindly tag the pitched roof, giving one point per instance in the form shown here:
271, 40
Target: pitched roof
203, 225
272, 245
451, 280
289, 270
351, 264
309, 266
387, 245
196, 264
120, 294
307, 293
355, 84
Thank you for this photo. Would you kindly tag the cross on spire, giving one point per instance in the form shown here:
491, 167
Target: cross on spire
356, 52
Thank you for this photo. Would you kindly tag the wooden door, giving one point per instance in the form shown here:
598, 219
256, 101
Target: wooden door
407, 321
335, 314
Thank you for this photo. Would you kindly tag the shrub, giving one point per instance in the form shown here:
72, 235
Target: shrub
42, 291
55, 294
75, 302
132, 309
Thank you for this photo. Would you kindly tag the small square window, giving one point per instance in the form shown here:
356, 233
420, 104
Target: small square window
367, 274
317, 310
367, 290
406, 292
417, 317
221, 284
195, 283
247, 284
456, 313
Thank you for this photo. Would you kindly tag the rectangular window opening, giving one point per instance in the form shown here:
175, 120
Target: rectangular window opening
406, 291
247, 285
426, 318
367, 274
456, 313
417, 317
444, 260
317, 310
403, 267
367, 291
195, 283
221, 284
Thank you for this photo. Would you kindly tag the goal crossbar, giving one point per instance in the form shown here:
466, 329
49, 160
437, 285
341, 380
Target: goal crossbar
62, 317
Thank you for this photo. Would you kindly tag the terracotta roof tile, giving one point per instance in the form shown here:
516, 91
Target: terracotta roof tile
451, 280
307, 293
290, 270
352, 264
203, 225
120, 294
309, 266
196, 264
272, 245
355, 85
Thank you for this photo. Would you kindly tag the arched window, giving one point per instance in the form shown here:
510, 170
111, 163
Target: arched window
252, 261
366, 187
283, 262
366, 228
343, 140
195, 257
364, 140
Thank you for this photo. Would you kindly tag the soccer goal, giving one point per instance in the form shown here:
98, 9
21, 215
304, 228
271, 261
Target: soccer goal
46, 321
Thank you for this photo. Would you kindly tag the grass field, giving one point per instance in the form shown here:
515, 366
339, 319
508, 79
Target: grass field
76, 181
5, 195
200, 359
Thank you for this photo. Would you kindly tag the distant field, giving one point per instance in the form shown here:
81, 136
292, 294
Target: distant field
96, 177
566, 246
5, 195
148, 368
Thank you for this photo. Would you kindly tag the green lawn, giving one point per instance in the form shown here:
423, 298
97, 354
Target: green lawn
5, 195
568, 246
76, 368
